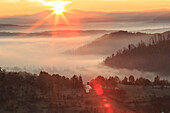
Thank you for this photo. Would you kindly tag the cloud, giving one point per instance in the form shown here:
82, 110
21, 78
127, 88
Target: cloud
18, 1
9, 0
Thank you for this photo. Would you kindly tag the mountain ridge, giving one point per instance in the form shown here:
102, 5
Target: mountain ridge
107, 43
59, 33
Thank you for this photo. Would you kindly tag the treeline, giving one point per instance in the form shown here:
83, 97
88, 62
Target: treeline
152, 57
145, 82
21, 90
43, 81
113, 81
47, 82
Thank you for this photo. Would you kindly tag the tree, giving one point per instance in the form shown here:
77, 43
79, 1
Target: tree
111, 81
4, 70
131, 79
44, 80
156, 80
80, 82
117, 79
143, 81
75, 81
98, 80
125, 80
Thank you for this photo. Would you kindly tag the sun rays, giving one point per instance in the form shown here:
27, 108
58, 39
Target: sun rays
58, 6
57, 16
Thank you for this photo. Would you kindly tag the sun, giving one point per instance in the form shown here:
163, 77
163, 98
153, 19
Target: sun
58, 9
58, 6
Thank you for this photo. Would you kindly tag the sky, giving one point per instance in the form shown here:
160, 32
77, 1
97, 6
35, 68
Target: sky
22, 7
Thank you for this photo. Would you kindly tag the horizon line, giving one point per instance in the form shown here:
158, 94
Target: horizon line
140, 11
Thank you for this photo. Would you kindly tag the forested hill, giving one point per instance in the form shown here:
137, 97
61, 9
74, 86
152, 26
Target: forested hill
152, 57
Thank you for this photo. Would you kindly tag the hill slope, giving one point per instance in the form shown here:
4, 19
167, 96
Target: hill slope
109, 43
154, 57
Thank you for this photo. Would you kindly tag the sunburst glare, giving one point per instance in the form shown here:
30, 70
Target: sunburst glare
58, 6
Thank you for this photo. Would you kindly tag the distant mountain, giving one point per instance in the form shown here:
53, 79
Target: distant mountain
163, 18
110, 43
152, 57
90, 17
10, 27
15, 27
58, 33
156, 30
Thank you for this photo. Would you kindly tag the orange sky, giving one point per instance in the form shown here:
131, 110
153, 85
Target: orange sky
20, 7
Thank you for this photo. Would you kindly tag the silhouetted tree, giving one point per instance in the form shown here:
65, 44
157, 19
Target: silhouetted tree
156, 80
44, 80
117, 79
80, 82
75, 82
110, 82
131, 79
98, 80
143, 81
125, 80
4, 70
